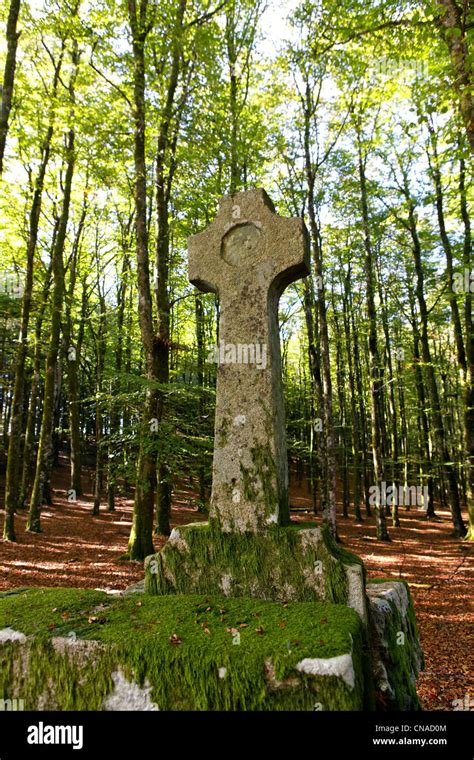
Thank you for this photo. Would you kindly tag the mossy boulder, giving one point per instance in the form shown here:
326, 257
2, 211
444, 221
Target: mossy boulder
294, 562
395, 645
70, 649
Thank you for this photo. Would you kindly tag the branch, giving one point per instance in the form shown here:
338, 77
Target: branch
201, 19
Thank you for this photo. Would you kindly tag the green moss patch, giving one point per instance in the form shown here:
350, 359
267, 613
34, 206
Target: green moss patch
196, 652
283, 563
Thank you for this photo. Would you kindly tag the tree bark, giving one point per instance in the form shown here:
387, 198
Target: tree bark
375, 381
468, 416
328, 492
35, 386
14, 444
140, 542
439, 437
43, 460
9, 75
452, 23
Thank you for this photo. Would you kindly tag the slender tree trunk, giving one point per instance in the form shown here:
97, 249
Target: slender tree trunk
14, 444
453, 21
315, 453
448, 252
43, 460
329, 486
393, 411
356, 468
375, 381
439, 437
165, 159
468, 416
199, 313
141, 536
341, 382
100, 359
8, 75
72, 360
114, 416
35, 386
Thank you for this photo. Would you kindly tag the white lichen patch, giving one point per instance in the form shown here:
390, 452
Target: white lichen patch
340, 667
129, 696
8, 634
226, 584
397, 592
309, 537
62, 644
356, 597
313, 578
178, 541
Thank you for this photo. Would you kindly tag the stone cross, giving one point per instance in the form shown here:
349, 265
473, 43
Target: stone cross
248, 255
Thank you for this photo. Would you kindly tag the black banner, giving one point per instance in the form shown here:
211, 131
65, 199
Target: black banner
129, 735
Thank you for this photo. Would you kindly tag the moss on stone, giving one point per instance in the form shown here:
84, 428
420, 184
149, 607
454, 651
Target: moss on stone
180, 646
402, 659
281, 563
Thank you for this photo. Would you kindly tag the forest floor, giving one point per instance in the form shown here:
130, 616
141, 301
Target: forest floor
79, 550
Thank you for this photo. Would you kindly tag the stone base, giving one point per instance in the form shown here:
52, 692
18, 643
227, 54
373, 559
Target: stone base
71, 649
67, 649
294, 563
397, 656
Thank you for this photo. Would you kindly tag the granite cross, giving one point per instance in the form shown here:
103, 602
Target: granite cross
248, 255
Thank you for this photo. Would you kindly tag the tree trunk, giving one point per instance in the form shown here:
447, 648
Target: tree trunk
375, 381
165, 158
141, 536
468, 416
72, 360
14, 444
453, 27
329, 486
43, 459
9, 75
35, 385
439, 438
356, 469
199, 313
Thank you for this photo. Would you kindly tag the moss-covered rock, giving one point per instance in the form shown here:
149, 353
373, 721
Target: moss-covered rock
73, 649
283, 563
396, 651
